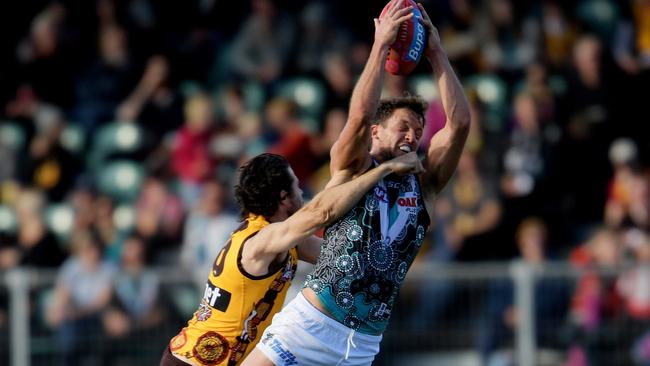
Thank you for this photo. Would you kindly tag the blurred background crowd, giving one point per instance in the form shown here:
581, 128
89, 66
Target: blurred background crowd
122, 124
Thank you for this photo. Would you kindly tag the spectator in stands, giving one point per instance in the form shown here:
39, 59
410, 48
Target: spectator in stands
82, 292
135, 311
154, 104
334, 121
585, 141
292, 141
627, 197
103, 85
466, 212
338, 80
158, 220
104, 224
261, 49
596, 307
43, 63
632, 40
635, 291
524, 157
191, 158
509, 40
460, 37
558, 34
207, 228
320, 34
633, 285
536, 83
468, 209
48, 166
501, 316
36, 245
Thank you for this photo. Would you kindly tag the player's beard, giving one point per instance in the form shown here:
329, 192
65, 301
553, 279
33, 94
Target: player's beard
296, 204
385, 155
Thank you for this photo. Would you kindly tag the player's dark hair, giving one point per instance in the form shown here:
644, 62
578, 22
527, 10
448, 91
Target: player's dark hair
261, 181
387, 106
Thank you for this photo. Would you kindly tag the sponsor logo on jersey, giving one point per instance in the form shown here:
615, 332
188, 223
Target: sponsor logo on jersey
216, 297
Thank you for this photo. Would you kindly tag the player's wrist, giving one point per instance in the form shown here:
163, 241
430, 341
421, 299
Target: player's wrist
435, 53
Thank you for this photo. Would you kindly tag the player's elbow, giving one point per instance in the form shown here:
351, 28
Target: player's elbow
463, 120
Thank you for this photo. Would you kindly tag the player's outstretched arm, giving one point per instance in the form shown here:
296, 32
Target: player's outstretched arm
325, 208
350, 151
446, 145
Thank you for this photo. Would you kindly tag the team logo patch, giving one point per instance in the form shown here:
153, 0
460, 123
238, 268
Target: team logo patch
216, 297
211, 348
178, 341
204, 312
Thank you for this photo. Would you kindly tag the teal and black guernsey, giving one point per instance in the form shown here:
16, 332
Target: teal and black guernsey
366, 254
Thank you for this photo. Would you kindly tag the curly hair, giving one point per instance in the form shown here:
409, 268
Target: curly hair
261, 181
388, 106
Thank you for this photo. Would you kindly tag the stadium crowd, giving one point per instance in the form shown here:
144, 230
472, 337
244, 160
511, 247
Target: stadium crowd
122, 124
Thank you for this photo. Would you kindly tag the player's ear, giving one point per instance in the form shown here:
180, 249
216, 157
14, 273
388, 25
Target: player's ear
283, 195
374, 130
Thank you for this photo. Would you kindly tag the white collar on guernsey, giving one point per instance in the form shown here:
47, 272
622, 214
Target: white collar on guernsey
406, 204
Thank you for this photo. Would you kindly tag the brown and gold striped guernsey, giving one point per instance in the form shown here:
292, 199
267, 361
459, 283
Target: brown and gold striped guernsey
236, 306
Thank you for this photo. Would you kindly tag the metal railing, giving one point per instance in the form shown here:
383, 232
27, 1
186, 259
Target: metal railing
454, 300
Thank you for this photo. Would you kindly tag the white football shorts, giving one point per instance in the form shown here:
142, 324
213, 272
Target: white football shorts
302, 335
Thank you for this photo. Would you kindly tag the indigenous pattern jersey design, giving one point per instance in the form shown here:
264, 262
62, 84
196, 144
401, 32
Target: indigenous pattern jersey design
366, 254
236, 306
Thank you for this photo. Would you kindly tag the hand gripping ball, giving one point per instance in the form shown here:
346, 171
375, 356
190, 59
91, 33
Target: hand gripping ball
405, 53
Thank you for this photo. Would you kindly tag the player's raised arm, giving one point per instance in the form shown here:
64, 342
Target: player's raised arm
446, 145
350, 151
326, 207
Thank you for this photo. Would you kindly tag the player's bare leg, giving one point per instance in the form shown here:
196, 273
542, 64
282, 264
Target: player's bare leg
257, 358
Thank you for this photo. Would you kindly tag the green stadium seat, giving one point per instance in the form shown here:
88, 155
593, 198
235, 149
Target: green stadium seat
424, 86
254, 96
185, 300
8, 223
12, 135
309, 94
124, 218
73, 138
59, 218
114, 138
492, 92
600, 15
120, 180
